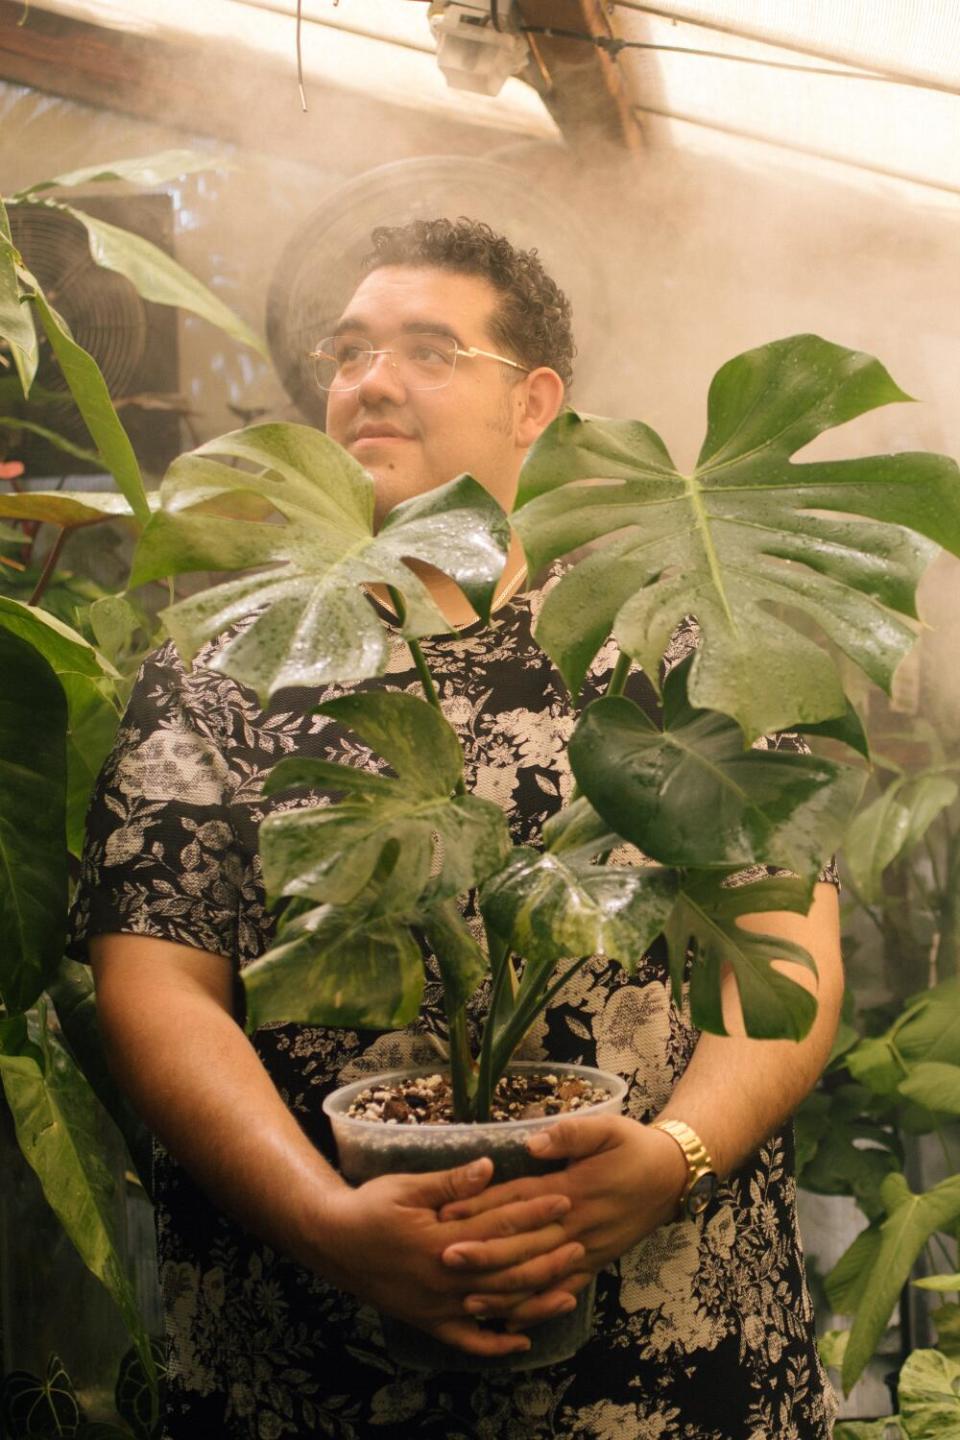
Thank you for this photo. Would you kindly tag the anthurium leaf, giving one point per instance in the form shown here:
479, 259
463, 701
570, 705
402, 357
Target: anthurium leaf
549, 906
928, 1392
156, 275
692, 795
33, 875
89, 390
59, 442
847, 1280
462, 962
329, 853
58, 1130
935, 1086
314, 625
892, 824
150, 170
338, 965
31, 1405
704, 921
16, 321
742, 537
92, 715
911, 1220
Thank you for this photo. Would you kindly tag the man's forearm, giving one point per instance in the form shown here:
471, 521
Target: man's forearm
736, 1092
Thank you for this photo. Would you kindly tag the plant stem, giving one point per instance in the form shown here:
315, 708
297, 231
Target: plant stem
50, 564
423, 669
525, 1014
488, 1073
619, 677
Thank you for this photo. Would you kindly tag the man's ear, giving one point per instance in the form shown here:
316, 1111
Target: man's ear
540, 401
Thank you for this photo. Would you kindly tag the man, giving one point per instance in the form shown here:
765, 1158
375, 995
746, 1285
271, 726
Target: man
270, 1263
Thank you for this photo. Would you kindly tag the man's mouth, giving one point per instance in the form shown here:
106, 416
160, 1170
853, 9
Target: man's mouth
374, 431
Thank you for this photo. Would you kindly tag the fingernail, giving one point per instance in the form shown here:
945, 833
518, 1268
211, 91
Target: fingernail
538, 1143
565, 1306
474, 1306
477, 1171
454, 1257
560, 1206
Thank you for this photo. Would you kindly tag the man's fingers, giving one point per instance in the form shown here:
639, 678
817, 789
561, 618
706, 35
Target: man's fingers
528, 1312
509, 1193
469, 1336
499, 1254
521, 1311
504, 1221
441, 1187
536, 1274
573, 1138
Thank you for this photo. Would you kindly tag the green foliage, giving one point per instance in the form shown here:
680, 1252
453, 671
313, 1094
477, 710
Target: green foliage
57, 1125
929, 1394
33, 891
45, 1407
742, 542
893, 824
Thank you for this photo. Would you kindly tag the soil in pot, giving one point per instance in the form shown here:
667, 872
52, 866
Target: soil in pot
401, 1122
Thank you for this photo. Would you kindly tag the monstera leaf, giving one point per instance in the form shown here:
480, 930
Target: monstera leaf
692, 795
440, 842
745, 540
313, 623
704, 924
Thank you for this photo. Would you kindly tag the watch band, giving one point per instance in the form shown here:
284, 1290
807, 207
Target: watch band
701, 1177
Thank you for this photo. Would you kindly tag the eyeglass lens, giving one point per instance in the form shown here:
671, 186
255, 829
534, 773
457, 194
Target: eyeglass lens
425, 362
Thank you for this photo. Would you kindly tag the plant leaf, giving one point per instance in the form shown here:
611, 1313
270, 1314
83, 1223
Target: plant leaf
313, 626
892, 824
935, 1086
330, 853
338, 965
944, 1284
911, 1220
462, 962
692, 795
928, 1391
848, 1278
147, 170
60, 442
89, 390
744, 540
57, 1126
548, 907
16, 322
156, 276
33, 873
64, 507
704, 921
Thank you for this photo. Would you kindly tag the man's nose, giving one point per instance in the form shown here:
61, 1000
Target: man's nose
383, 378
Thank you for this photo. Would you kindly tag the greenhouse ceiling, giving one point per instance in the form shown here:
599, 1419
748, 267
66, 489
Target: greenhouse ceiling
875, 87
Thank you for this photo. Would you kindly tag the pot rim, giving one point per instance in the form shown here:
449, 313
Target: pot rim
335, 1104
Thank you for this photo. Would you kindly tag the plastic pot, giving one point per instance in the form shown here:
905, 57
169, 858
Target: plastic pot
367, 1149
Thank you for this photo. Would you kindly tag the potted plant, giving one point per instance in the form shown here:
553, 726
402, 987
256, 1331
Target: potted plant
371, 880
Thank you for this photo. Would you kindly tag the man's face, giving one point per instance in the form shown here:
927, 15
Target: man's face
411, 441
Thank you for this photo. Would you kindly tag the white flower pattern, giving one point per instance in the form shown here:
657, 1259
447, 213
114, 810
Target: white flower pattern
703, 1332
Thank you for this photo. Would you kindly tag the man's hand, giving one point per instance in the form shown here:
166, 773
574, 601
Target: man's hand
388, 1244
623, 1179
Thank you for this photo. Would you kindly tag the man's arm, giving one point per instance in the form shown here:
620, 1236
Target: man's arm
625, 1178
172, 1041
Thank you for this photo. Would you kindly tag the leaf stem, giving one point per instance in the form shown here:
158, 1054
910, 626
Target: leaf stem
50, 565
423, 669
619, 677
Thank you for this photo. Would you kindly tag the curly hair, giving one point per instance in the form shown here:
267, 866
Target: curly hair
532, 320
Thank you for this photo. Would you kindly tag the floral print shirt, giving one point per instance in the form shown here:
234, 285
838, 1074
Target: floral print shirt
702, 1332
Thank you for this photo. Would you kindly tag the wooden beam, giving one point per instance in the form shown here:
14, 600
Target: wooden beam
175, 83
586, 91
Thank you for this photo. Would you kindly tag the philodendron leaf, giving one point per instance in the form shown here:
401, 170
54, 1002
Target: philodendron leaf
338, 965
16, 322
89, 390
744, 540
33, 872
314, 625
935, 1086
693, 795
330, 853
58, 1130
911, 1220
892, 824
151, 170
928, 1392
704, 921
549, 906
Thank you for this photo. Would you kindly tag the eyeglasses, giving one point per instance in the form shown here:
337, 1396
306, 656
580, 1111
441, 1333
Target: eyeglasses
423, 362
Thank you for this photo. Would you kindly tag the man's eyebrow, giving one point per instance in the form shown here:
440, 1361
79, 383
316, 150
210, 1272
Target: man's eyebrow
352, 324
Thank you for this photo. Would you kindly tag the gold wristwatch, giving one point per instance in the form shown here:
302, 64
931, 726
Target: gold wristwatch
702, 1180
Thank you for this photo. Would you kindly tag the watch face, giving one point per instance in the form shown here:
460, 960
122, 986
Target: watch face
701, 1192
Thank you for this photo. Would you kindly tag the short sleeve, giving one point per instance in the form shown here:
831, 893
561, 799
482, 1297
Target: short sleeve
161, 856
